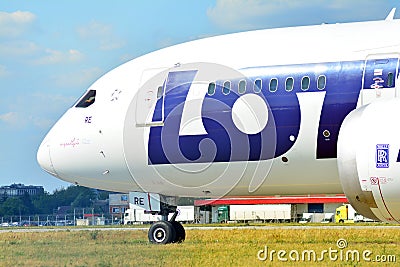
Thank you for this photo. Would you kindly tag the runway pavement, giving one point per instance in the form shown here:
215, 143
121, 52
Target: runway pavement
189, 228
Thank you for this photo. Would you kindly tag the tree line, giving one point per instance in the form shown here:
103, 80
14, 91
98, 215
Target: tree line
48, 203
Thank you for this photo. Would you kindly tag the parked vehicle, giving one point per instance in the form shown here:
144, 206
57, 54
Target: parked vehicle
345, 214
138, 215
245, 213
328, 217
360, 218
306, 218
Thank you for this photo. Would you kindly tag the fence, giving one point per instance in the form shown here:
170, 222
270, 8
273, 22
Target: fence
68, 219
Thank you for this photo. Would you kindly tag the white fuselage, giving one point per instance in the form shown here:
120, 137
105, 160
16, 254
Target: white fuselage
106, 145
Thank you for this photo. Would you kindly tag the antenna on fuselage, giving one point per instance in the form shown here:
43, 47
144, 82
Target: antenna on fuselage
391, 14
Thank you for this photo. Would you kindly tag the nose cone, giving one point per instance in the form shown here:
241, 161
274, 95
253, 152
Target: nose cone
44, 159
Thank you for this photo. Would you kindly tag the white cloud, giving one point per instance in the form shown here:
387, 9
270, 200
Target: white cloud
13, 119
18, 48
236, 14
21, 119
253, 14
94, 30
4, 72
38, 110
42, 123
102, 34
111, 44
56, 57
44, 102
15, 23
79, 79
9, 117
44, 56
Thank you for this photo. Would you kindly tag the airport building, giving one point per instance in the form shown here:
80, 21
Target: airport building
16, 190
313, 208
312, 204
118, 204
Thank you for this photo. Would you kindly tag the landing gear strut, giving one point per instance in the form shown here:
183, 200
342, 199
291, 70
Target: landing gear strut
164, 231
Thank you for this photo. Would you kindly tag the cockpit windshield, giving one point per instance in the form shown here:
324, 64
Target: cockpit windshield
87, 100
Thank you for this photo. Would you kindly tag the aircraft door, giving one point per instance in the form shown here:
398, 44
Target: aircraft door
379, 77
151, 90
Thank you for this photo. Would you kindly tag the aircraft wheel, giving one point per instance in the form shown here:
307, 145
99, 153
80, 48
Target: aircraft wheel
162, 232
180, 232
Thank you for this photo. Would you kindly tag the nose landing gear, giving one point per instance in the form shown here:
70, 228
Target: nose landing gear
165, 232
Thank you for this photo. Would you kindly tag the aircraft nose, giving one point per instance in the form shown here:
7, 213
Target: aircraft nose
44, 159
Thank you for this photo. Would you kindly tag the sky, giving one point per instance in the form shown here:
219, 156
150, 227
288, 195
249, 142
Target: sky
52, 51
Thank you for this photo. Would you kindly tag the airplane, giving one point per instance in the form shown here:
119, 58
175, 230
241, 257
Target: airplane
286, 111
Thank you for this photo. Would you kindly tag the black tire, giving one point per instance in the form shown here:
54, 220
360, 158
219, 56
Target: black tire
162, 232
180, 232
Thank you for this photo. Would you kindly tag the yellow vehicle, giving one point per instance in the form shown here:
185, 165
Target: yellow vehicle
345, 214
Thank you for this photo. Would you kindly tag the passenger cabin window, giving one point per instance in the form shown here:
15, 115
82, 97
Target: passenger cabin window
257, 86
321, 83
159, 92
211, 88
305, 83
242, 87
273, 85
289, 84
227, 88
87, 100
390, 79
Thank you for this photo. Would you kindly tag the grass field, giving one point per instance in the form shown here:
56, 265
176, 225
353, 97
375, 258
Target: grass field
220, 247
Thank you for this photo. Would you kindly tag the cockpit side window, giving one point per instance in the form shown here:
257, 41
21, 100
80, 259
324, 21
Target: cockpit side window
87, 99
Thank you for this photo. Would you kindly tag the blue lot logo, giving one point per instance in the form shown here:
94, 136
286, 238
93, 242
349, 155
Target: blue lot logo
382, 156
